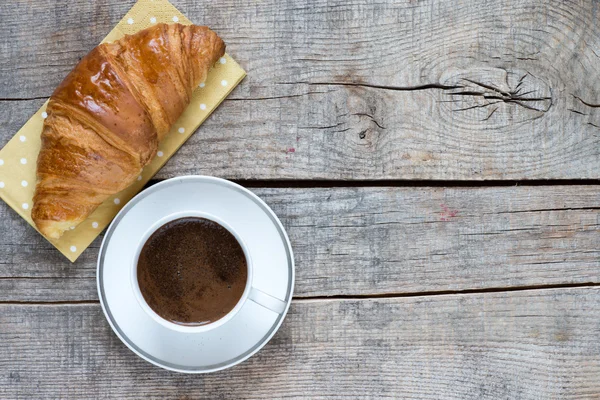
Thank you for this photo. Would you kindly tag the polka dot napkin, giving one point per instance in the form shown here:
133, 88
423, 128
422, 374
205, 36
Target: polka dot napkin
18, 158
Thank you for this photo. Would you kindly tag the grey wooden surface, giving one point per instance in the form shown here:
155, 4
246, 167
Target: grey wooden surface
469, 90
539, 344
375, 241
435, 163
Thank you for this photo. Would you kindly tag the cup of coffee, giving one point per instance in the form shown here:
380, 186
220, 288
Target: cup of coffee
192, 273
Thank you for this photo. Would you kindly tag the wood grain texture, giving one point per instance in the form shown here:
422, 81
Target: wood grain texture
353, 90
376, 240
528, 345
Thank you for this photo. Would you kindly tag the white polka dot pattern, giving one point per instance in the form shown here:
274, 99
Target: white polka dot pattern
203, 106
95, 225
117, 201
73, 249
44, 115
25, 206
22, 138
23, 161
224, 82
24, 183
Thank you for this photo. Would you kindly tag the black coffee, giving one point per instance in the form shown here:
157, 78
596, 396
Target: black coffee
192, 271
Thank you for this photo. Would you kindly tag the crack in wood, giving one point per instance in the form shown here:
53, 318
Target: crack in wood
510, 97
477, 106
50, 303
490, 114
548, 210
426, 86
24, 98
490, 87
344, 297
448, 292
587, 103
372, 119
321, 127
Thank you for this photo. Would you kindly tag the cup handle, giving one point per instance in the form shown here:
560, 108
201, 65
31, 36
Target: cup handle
267, 301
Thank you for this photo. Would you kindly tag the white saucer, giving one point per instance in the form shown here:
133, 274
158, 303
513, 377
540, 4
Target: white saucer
239, 338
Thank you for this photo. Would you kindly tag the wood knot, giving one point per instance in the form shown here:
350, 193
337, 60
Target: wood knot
364, 115
494, 97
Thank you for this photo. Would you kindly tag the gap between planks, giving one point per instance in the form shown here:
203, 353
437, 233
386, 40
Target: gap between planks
301, 299
319, 183
303, 183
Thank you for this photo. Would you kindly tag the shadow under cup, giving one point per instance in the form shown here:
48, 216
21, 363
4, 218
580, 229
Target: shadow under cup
249, 293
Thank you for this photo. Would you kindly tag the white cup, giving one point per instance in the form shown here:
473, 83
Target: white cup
250, 293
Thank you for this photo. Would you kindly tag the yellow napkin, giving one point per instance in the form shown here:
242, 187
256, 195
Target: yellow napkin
18, 158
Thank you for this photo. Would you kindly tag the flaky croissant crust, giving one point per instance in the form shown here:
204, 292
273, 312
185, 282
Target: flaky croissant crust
106, 118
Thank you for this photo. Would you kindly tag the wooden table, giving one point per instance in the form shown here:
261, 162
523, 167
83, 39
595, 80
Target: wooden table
435, 163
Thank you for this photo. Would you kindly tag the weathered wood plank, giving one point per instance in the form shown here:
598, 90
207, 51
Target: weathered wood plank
465, 90
376, 240
528, 345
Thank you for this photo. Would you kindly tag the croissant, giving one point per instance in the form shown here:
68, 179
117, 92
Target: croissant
106, 118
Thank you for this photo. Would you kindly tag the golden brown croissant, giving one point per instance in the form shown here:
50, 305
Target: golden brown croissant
106, 118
